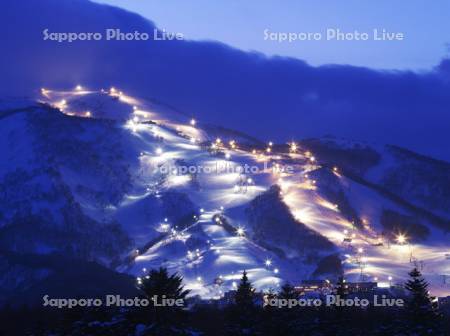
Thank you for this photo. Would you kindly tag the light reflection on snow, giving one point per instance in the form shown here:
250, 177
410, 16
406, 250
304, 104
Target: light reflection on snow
180, 139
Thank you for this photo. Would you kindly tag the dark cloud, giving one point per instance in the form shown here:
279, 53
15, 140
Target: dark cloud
278, 98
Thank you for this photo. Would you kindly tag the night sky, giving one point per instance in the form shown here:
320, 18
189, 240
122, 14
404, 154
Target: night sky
241, 25
281, 98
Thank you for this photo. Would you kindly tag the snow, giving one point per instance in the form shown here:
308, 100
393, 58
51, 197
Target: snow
205, 250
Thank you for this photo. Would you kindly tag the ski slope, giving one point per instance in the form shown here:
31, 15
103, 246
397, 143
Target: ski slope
211, 255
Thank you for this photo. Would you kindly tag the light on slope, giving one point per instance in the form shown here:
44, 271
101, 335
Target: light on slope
240, 232
293, 147
401, 239
45, 92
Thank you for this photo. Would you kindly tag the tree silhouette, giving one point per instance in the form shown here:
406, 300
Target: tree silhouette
242, 315
164, 286
422, 312
160, 283
245, 293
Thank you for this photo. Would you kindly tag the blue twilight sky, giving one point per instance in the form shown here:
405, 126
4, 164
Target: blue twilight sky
241, 24
285, 97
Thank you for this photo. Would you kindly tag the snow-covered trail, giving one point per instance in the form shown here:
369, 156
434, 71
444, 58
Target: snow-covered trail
217, 257
367, 256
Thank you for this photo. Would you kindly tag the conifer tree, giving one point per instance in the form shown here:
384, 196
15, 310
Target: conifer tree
242, 315
421, 309
245, 293
160, 283
164, 286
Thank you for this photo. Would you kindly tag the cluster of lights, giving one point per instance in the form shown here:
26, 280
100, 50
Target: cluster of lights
269, 147
217, 144
193, 255
232, 144
113, 92
218, 218
293, 147
401, 239
133, 124
165, 227
44, 92
176, 235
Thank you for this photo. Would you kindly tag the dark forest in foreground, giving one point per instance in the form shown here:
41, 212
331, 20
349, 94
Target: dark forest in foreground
242, 314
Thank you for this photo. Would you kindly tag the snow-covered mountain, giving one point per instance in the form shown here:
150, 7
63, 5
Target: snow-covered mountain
132, 185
